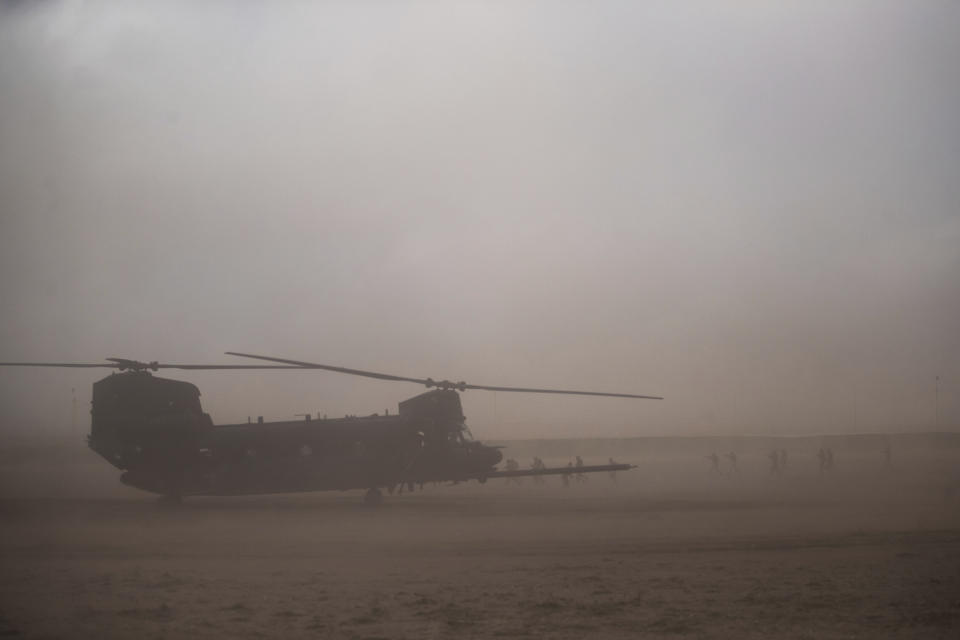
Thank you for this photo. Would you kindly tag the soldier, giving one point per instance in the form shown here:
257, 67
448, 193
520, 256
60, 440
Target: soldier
566, 475
714, 462
783, 459
829, 459
822, 458
536, 466
513, 465
774, 461
732, 457
580, 476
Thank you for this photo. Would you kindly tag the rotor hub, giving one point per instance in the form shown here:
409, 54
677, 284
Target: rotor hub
446, 385
124, 364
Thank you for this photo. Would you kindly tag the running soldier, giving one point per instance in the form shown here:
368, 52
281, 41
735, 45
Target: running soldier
714, 462
822, 458
732, 457
774, 462
513, 465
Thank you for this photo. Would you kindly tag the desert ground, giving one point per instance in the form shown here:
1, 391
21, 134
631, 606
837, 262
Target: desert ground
670, 549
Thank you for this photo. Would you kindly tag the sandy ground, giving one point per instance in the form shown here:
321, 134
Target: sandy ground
668, 550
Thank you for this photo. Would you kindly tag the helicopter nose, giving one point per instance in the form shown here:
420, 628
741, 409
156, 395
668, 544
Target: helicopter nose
495, 457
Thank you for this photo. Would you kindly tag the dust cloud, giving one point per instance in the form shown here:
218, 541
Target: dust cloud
750, 210
669, 549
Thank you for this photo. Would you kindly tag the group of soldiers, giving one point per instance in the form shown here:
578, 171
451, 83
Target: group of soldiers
731, 460
572, 470
778, 460
778, 464
513, 465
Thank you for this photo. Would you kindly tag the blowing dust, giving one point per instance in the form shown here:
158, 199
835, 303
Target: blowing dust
673, 548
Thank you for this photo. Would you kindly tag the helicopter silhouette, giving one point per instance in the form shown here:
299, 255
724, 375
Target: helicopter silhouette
155, 430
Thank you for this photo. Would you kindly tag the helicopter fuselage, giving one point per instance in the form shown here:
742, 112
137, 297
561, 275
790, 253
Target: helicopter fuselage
154, 429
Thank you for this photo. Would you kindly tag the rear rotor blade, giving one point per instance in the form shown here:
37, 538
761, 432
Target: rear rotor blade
443, 384
218, 367
561, 391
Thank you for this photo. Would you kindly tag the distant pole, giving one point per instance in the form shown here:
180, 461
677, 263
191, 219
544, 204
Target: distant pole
73, 415
936, 403
855, 420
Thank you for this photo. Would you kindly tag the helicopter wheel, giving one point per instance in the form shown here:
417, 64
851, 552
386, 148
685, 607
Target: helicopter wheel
373, 497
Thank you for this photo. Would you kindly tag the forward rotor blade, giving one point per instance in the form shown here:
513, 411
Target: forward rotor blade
58, 364
128, 364
136, 364
326, 367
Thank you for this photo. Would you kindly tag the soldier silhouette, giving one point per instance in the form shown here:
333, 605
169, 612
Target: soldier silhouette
732, 457
537, 466
774, 461
714, 462
513, 465
580, 476
822, 458
566, 475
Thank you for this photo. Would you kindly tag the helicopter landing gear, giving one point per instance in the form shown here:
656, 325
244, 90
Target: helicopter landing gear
373, 497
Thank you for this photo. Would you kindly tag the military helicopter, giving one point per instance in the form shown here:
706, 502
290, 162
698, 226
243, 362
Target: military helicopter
155, 430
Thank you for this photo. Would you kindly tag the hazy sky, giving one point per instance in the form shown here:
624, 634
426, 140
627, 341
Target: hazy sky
749, 208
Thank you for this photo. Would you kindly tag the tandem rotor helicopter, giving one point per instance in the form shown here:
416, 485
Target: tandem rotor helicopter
155, 430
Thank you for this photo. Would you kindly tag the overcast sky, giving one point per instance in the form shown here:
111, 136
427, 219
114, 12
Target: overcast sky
749, 208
